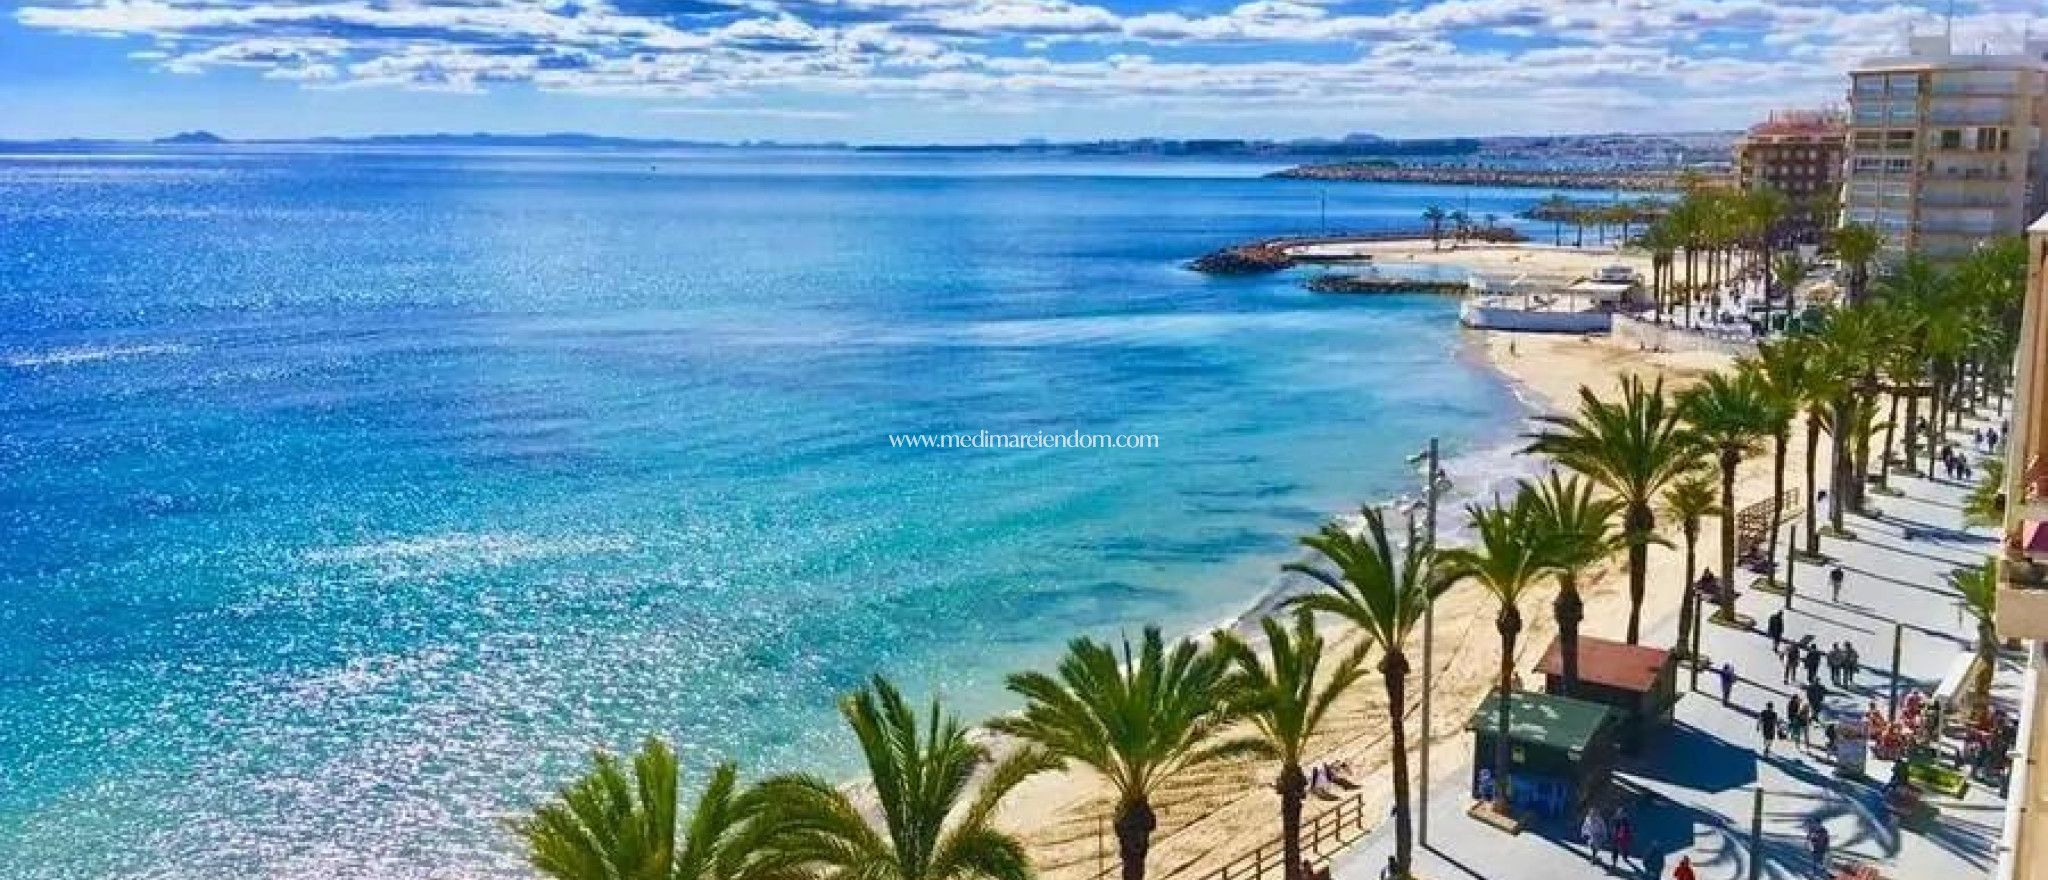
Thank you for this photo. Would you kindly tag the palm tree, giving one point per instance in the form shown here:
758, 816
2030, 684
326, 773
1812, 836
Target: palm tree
1557, 208
1286, 702
1689, 500
1507, 559
1857, 245
1435, 215
1384, 594
1783, 373
1461, 224
1138, 720
1576, 529
1977, 593
1728, 413
1633, 448
931, 823
607, 826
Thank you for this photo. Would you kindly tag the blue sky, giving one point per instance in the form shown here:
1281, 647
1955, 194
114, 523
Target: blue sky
941, 70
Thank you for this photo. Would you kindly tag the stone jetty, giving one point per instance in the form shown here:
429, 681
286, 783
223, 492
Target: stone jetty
1377, 172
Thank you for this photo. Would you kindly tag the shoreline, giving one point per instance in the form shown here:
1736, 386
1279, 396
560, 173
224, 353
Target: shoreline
1221, 813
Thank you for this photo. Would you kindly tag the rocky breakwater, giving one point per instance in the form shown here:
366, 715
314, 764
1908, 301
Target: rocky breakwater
1257, 258
1377, 172
1382, 284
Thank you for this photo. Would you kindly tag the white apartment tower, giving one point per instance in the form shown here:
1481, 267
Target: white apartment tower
1946, 149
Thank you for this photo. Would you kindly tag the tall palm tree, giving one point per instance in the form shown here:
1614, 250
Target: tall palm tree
1138, 719
1286, 701
1576, 529
1506, 558
1632, 447
932, 823
1728, 413
1435, 215
1384, 594
1849, 350
1557, 208
1783, 373
1977, 593
1857, 245
1689, 500
609, 826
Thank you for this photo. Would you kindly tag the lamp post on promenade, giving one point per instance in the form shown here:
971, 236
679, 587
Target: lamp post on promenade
1432, 485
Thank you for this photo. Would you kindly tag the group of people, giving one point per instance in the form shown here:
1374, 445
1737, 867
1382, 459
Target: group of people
1986, 439
1841, 658
1611, 832
1955, 464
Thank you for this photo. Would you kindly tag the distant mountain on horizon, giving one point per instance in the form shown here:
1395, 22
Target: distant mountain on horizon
1620, 146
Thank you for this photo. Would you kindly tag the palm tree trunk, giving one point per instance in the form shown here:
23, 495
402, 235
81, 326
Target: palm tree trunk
1840, 465
1685, 621
1891, 427
1812, 463
1779, 441
1987, 663
1570, 609
1638, 525
1134, 825
1394, 668
1912, 438
1293, 789
1509, 623
1730, 458
1934, 424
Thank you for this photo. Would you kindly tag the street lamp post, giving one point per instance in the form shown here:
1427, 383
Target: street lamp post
1429, 494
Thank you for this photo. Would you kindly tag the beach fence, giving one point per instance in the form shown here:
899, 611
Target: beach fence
1322, 836
1652, 336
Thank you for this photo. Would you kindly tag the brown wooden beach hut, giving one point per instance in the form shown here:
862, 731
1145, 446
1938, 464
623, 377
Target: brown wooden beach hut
1640, 681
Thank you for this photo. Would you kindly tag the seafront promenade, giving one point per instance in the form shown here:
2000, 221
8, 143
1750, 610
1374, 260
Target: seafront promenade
1693, 789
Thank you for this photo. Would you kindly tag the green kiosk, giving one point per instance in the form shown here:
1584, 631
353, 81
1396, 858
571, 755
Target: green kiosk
1560, 750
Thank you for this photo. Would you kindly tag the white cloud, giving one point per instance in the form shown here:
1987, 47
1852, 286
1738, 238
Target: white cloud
1538, 60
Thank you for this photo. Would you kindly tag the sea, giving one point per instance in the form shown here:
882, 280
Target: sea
349, 498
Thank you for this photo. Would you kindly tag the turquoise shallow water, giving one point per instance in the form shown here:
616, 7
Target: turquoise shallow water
347, 499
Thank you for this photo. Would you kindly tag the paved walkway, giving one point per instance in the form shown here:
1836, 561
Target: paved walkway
1692, 790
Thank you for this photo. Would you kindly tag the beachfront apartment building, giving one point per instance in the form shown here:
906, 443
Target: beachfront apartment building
1946, 149
2023, 572
1798, 153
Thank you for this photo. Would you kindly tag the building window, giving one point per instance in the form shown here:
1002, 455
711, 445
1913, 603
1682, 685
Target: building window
1951, 139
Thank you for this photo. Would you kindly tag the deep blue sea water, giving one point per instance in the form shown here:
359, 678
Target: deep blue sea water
347, 499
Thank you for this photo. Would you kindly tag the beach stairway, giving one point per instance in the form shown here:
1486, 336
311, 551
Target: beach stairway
1753, 531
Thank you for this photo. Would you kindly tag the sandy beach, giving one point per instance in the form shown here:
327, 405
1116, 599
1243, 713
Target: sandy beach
1538, 261
1223, 813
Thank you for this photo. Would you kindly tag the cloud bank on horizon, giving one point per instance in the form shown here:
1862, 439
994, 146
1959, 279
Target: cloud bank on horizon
933, 67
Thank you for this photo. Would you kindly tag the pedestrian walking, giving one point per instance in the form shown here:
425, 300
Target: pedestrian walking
1622, 833
1835, 578
1816, 698
1727, 673
1812, 661
1817, 842
1853, 666
1776, 628
1767, 726
1796, 718
1594, 831
1791, 656
1684, 870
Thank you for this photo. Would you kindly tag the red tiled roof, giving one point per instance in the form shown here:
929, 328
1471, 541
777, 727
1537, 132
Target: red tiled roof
1612, 664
